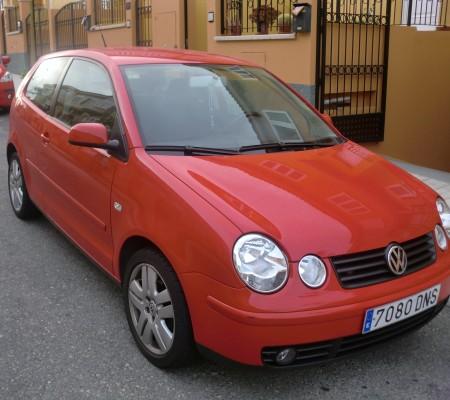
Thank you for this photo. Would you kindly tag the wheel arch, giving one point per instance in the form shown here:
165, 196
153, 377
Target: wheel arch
131, 246
10, 150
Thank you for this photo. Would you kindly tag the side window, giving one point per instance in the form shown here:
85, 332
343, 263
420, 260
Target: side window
41, 87
86, 95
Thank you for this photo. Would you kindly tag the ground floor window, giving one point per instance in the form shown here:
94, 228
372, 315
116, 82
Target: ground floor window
109, 12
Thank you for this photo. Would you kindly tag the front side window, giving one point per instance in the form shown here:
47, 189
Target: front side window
219, 106
43, 83
86, 95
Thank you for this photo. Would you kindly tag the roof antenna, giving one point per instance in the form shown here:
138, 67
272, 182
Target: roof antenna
103, 38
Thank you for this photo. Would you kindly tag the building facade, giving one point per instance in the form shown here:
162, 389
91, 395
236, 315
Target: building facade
377, 67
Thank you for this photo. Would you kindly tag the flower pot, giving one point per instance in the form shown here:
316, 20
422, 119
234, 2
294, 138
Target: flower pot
236, 30
285, 28
263, 29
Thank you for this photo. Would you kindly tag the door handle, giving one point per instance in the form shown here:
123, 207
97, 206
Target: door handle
45, 138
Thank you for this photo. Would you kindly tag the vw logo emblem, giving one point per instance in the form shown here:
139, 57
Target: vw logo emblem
397, 259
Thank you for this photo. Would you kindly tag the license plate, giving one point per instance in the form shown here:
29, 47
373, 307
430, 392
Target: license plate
388, 314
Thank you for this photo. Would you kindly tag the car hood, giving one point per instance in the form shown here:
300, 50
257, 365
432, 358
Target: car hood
327, 201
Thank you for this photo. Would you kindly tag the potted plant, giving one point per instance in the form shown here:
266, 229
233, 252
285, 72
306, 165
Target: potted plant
264, 17
235, 27
285, 23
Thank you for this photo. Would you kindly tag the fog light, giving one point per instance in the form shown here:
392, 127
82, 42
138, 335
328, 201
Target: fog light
441, 237
312, 271
286, 356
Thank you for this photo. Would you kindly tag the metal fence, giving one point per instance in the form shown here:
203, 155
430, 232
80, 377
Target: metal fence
352, 58
419, 12
12, 18
144, 23
249, 17
70, 33
40, 32
353, 38
109, 12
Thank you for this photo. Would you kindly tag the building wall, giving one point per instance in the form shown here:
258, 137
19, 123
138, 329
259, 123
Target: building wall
197, 17
417, 126
418, 93
168, 23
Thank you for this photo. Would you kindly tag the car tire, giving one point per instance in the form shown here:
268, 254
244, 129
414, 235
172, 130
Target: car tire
21, 203
156, 311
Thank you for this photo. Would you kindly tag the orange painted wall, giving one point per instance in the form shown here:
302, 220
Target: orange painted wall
417, 126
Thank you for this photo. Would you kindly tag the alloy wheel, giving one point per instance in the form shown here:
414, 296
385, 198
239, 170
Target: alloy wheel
151, 309
16, 188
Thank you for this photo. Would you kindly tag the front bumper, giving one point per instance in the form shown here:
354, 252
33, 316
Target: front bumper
241, 325
320, 352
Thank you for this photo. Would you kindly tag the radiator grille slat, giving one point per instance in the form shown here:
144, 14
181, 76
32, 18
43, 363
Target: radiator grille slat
370, 267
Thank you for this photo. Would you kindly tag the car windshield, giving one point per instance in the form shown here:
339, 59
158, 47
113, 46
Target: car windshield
219, 107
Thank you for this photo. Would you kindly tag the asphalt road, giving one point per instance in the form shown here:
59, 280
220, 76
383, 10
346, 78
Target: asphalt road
63, 335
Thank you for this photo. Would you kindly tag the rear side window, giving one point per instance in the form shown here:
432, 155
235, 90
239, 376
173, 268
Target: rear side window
86, 95
42, 85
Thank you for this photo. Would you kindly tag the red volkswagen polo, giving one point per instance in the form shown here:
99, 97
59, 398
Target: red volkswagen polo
236, 218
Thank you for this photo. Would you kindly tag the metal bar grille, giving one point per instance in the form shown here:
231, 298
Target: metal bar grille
352, 52
352, 58
420, 12
250, 17
70, 34
109, 12
41, 31
12, 18
144, 23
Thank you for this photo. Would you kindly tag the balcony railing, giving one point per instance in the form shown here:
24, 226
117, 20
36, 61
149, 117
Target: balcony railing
253, 17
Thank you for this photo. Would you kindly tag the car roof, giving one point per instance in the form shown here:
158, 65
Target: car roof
144, 55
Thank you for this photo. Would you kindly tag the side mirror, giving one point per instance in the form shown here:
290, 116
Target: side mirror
6, 60
91, 134
328, 118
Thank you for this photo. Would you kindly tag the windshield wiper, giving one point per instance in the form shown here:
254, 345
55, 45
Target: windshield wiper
191, 150
286, 146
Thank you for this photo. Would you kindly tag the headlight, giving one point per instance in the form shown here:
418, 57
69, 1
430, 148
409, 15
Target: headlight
440, 237
6, 77
444, 212
312, 271
260, 263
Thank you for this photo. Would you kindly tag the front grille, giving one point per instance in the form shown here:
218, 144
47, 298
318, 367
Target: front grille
370, 267
320, 352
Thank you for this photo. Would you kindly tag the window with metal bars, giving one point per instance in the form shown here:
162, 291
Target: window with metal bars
420, 12
253, 17
109, 12
12, 18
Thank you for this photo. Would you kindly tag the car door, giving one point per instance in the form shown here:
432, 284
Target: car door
31, 124
83, 176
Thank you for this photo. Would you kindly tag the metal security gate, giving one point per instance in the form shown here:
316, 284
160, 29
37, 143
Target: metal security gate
144, 23
42, 37
70, 33
352, 56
